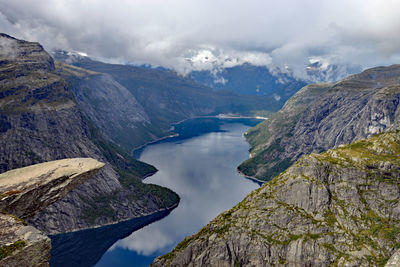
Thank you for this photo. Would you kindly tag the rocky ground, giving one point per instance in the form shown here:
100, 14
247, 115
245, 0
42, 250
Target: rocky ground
339, 207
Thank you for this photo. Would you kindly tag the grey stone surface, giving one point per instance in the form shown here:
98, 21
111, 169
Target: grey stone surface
320, 117
26, 191
339, 207
394, 261
35, 250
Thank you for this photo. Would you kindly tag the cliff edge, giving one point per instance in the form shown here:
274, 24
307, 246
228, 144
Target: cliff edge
26, 191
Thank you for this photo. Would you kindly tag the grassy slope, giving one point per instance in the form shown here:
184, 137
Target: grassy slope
264, 138
131, 173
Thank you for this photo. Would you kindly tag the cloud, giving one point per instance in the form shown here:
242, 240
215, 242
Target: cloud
180, 33
7, 48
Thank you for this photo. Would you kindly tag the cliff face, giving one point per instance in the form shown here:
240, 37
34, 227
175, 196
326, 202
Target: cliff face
167, 97
110, 107
339, 207
323, 116
26, 191
40, 121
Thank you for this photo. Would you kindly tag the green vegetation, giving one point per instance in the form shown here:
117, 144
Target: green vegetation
251, 167
269, 140
165, 196
131, 172
7, 250
120, 160
356, 224
69, 70
32, 90
158, 89
18, 219
99, 207
330, 218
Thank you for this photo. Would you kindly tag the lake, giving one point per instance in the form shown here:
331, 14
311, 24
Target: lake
200, 165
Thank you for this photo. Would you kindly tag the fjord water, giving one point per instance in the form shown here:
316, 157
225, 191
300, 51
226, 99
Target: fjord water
200, 167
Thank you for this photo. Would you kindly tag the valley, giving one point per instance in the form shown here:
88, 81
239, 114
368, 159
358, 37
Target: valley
51, 110
192, 165
230, 163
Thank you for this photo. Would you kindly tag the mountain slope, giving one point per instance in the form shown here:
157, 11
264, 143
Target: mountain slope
110, 106
40, 121
340, 207
248, 79
325, 117
167, 98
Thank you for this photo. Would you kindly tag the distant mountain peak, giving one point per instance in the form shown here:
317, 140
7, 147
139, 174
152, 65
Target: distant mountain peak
68, 57
321, 70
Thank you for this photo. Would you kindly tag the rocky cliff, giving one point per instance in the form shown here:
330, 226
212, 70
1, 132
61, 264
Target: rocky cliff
165, 96
323, 116
110, 107
40, 121
26, 191
340, 207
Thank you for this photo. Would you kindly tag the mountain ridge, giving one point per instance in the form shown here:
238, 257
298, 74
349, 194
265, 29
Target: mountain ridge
356, 107
40, 121
168, 98
339, 207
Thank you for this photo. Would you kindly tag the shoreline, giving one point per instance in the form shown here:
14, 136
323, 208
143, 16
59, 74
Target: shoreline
119, 221
219, 116
170, 208
153, 141
251, 177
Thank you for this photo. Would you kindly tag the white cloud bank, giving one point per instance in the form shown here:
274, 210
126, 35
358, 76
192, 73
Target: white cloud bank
200, 34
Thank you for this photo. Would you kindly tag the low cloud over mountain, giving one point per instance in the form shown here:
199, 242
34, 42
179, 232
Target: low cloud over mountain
200, 35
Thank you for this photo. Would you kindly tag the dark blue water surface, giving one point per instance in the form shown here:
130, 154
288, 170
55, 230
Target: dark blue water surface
200, 165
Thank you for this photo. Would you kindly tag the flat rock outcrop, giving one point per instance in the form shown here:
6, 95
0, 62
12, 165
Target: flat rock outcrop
26, 191
40, 121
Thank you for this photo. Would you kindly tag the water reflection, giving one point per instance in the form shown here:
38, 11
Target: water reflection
202, 171
85, 248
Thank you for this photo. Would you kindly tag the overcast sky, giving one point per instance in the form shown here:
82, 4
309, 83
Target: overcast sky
181, 34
